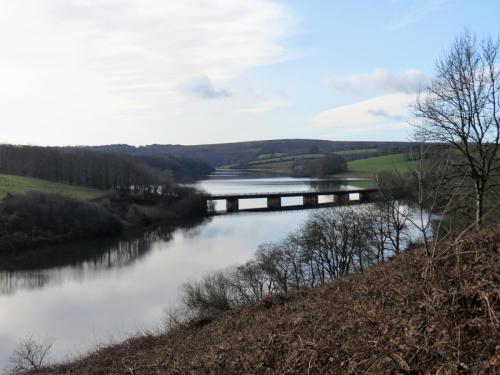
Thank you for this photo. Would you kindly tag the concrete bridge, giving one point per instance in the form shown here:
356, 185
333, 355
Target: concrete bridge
309, 198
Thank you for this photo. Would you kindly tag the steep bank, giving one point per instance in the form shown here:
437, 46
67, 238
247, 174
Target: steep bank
385, 320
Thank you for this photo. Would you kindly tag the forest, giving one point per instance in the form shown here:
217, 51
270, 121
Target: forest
77, 166
135, 192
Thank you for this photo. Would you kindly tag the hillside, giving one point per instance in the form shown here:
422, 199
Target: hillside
17, 185
359, 165
385, 163
243, 152
387, 320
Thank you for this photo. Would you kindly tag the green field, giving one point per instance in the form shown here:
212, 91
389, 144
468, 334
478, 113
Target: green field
270, 156
356, 151
395, 162
18, 185
285, 158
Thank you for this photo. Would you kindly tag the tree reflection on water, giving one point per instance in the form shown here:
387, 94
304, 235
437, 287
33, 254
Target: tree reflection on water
36, 268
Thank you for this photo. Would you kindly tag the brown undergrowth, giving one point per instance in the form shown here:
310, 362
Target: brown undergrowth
387, 320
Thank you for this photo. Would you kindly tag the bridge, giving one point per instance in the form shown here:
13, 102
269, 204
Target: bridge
309, 198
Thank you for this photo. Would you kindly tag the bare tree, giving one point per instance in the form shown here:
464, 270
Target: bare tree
31, 354
461, 108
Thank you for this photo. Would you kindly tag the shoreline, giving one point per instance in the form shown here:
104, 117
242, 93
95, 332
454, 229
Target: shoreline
124, 214
349, 325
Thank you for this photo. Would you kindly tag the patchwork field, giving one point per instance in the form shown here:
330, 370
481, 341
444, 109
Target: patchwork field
395, 162
18, 185
273, 159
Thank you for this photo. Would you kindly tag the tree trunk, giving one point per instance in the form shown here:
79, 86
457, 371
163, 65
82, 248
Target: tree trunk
479, 207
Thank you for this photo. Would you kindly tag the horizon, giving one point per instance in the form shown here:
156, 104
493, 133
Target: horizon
203, 144
202, 72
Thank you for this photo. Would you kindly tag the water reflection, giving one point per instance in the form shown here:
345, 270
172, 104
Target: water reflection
323, 185
82, 294
55, 264
251, 183
276, 184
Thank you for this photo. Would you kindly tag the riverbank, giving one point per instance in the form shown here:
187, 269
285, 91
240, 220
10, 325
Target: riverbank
38, 219
388, 319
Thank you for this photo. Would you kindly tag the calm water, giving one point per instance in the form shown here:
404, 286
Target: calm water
85, 294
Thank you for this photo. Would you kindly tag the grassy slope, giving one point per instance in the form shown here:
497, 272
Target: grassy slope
285, 158
395, 162
357, 168
382, 321
272, 158
17, 185
356, 151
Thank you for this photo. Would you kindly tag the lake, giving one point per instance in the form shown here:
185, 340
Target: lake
81, 295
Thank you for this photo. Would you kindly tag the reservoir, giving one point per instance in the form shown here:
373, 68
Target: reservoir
82, 295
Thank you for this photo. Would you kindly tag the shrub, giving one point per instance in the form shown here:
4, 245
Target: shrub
39, 217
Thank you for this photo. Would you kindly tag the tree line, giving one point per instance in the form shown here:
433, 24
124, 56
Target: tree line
82, 167
38, 219
332, 243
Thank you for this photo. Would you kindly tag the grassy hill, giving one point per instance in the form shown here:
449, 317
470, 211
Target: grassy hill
18, 185
394, 162
224, 154
265, 160
386, 320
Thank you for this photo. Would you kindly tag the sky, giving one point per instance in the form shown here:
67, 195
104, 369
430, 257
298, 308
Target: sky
90, 72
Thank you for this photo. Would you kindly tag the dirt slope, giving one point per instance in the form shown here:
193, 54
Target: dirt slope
387, 320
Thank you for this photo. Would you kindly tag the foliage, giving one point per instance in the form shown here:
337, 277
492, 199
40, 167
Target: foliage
179, 167
332, 243
328, 165
36, 218
462, 109
81, 167
244, 152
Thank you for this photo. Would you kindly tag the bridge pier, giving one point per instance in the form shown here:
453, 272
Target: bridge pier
310, 200
341, 198
209, 206
273, 202
232, 205
368, 196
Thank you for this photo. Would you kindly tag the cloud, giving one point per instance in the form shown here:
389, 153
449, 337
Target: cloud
107, 62
268, 105
382, 112
408, 81
418, 11
204, 88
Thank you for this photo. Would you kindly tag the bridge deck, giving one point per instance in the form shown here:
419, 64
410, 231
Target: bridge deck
287, 194
296, 207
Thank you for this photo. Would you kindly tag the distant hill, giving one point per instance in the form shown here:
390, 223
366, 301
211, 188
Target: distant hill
243, 152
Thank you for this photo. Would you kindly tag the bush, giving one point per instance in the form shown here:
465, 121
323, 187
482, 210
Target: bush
209, 296
43, 218
31, 354
332, 243
328, 165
